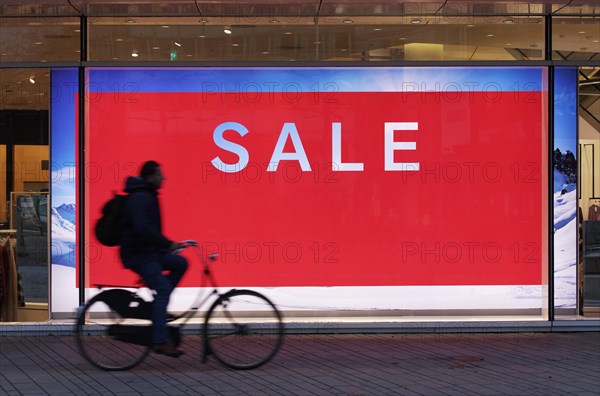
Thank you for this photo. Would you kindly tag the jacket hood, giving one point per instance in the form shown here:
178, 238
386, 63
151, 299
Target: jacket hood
136, 183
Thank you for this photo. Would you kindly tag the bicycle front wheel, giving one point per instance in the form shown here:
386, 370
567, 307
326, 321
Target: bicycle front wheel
110, 340
243, 329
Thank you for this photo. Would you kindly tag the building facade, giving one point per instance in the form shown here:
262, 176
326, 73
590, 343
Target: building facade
349, 160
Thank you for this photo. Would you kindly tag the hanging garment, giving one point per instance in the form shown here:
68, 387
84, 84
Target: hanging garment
8, 311
594, 213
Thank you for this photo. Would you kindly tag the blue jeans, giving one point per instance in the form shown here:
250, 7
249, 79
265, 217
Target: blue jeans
163, 285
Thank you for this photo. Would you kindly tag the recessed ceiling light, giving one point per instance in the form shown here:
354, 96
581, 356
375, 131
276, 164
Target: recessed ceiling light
274, 20
77, 50
343, 50
227, 31
470, 25
115, 58
130, 21
155, 48
77, 30
582, 32
415, 21
235, 45
490, 35
177, 44
202, 36
165, 26
203, 21
508, 44
377, 29
287, 33
265, 52
134, 53
32, 80
402, 38
119, 39
508, 21
38, 43
189, 55
595, 41
348, 21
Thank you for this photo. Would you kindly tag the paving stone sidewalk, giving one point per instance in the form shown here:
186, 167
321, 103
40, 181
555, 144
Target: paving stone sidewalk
361, 364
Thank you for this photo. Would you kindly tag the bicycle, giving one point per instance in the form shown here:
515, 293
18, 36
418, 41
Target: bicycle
242, 328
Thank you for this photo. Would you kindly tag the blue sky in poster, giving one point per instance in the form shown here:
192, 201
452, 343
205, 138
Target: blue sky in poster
565, 109
328, 79
63, 128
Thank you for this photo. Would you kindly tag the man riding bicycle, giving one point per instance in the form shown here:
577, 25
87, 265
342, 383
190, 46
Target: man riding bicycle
146, 251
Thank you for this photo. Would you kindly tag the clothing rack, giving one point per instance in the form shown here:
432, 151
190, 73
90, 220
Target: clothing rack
11, 290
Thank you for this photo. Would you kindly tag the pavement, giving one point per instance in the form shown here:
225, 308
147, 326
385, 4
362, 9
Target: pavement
523, 363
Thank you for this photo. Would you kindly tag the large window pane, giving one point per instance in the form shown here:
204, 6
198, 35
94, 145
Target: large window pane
576, 38
328, 39
39, 39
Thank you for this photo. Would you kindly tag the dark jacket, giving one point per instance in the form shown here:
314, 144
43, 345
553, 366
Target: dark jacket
142, 240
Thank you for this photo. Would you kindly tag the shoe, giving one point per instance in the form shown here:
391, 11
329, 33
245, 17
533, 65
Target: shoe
167, 349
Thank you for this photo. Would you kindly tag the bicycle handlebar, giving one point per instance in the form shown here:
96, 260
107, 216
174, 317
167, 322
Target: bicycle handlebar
191, 243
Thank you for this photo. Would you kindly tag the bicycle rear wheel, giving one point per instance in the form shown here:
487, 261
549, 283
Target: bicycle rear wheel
111, 340
243, 329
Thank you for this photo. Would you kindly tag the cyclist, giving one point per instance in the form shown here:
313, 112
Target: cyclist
146, 251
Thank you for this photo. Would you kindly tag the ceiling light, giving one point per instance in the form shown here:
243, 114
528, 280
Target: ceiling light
177, 44
508, 44
202, 36
508, 21
287, 33
402, 38
470, 25
130, 21
415, 21
348, 21
490, 35
189, 55
227, 30
203, 21
165, 26
595, 41
274, 20
579, 33
32, 80
155, 48
38, 43
265, 53
377, 29
119, 39
235, 45
134, 53
77, 30
343, 50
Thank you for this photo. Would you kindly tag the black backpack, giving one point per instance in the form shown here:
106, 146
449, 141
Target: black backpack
108, 229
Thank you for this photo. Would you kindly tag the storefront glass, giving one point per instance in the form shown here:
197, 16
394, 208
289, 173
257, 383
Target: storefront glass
24, 203
417, 190
331, 39
39, 39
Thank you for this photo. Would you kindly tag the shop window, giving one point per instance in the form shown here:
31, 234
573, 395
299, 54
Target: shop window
24, 193
39, 39
300, 38
575, 38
